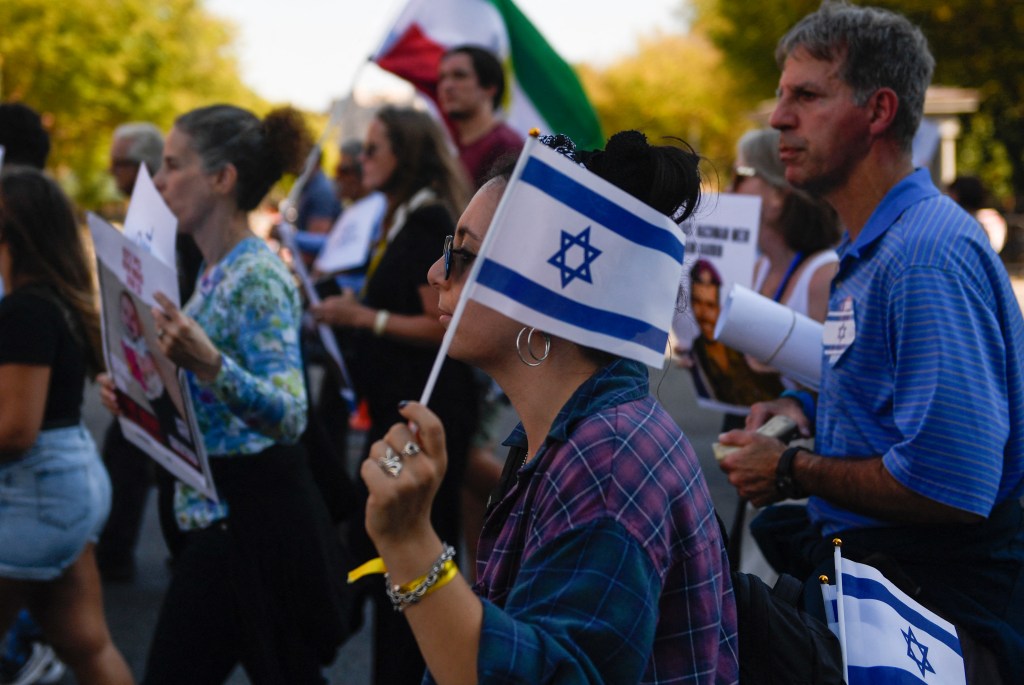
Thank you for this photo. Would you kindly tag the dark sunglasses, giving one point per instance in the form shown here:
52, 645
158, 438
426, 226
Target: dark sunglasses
464, 255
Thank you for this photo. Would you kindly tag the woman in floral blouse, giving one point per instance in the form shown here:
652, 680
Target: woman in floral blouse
259, 578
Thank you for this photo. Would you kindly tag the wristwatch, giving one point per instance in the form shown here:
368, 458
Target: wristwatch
785, 484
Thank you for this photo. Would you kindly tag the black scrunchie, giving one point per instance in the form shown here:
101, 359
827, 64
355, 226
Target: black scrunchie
563, 145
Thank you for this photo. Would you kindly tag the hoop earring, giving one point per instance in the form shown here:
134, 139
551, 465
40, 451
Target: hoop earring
537, 361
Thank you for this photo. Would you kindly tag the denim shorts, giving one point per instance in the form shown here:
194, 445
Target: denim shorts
53, 500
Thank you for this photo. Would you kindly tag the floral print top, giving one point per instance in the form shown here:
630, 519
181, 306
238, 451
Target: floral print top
249, 307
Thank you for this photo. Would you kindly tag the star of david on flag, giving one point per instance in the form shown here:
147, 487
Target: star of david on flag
886, 636
562, 258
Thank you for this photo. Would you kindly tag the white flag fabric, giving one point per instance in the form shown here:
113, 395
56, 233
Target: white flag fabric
572, 255
891, 638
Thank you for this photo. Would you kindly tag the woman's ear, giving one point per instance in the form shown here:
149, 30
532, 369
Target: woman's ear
225, 179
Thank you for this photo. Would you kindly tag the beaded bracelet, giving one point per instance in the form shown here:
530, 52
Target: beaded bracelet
440, 574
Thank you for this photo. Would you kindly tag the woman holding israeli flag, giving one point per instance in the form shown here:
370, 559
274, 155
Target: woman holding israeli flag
601, 558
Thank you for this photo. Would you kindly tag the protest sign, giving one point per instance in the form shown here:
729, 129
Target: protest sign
720, 253
156, 409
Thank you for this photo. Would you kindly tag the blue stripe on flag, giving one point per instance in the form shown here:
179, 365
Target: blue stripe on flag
557, 306
865, 588
882, 675
598, 208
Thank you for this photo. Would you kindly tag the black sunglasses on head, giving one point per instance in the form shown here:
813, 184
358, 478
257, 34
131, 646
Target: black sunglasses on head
464, 255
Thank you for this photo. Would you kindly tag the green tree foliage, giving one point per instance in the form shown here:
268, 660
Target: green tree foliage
90, 65
674, 85
976, 43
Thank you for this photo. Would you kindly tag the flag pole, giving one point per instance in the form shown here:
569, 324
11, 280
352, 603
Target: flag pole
496, 222
840, 614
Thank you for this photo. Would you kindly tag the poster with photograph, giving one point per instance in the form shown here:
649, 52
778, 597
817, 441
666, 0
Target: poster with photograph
721, 252
156, 409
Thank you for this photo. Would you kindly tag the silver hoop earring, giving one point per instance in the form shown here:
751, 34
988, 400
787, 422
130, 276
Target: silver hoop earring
537, 361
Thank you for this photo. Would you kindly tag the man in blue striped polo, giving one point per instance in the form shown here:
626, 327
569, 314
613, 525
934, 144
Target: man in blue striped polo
919, 451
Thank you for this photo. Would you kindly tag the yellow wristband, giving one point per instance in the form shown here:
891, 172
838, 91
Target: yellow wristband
448, 573
375, 565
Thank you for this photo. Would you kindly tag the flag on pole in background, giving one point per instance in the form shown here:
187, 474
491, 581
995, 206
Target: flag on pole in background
542, 90
573, 255
891, 638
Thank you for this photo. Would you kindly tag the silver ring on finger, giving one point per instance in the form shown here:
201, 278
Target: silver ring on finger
390, 463
411, 449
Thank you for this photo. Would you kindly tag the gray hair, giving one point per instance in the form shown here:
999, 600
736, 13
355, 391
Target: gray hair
876, 48
760, 151
146, 143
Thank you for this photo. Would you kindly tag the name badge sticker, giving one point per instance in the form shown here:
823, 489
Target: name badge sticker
839, 332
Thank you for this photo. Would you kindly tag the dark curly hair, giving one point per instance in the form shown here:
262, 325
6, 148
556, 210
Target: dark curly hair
260, 151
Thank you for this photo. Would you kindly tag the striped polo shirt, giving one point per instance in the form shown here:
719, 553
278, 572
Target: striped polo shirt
932, 380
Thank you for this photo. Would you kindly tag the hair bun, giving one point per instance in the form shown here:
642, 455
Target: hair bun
666, 177
626, 162
628, 145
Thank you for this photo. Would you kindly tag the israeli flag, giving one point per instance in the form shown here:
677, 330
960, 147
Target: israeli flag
890, 638
573, 255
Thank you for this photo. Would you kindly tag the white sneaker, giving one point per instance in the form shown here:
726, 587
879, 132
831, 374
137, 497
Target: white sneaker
54, 672
39, 665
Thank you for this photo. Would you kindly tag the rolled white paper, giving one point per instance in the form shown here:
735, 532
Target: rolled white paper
773, 334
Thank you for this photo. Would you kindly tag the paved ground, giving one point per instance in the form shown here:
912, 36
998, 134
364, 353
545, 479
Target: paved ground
132, 608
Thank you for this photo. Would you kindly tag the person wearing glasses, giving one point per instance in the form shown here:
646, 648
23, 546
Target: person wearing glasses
601, 559
134, 144
395, 334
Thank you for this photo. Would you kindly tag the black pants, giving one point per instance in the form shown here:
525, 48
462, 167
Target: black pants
264, 587
200, 636
131, 476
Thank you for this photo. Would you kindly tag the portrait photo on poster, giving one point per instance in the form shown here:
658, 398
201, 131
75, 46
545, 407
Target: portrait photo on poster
153, 399
721, 252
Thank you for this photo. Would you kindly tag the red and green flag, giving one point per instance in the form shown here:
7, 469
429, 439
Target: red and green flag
543, 90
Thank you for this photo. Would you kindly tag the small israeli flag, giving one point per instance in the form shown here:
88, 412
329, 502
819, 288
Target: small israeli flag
887, 636
575, 256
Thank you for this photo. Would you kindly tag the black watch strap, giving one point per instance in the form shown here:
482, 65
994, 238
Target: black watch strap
785, 484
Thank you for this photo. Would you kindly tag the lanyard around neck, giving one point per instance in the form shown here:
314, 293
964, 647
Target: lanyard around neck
794, 264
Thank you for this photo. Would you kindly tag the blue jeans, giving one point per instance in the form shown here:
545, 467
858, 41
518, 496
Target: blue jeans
53, 500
